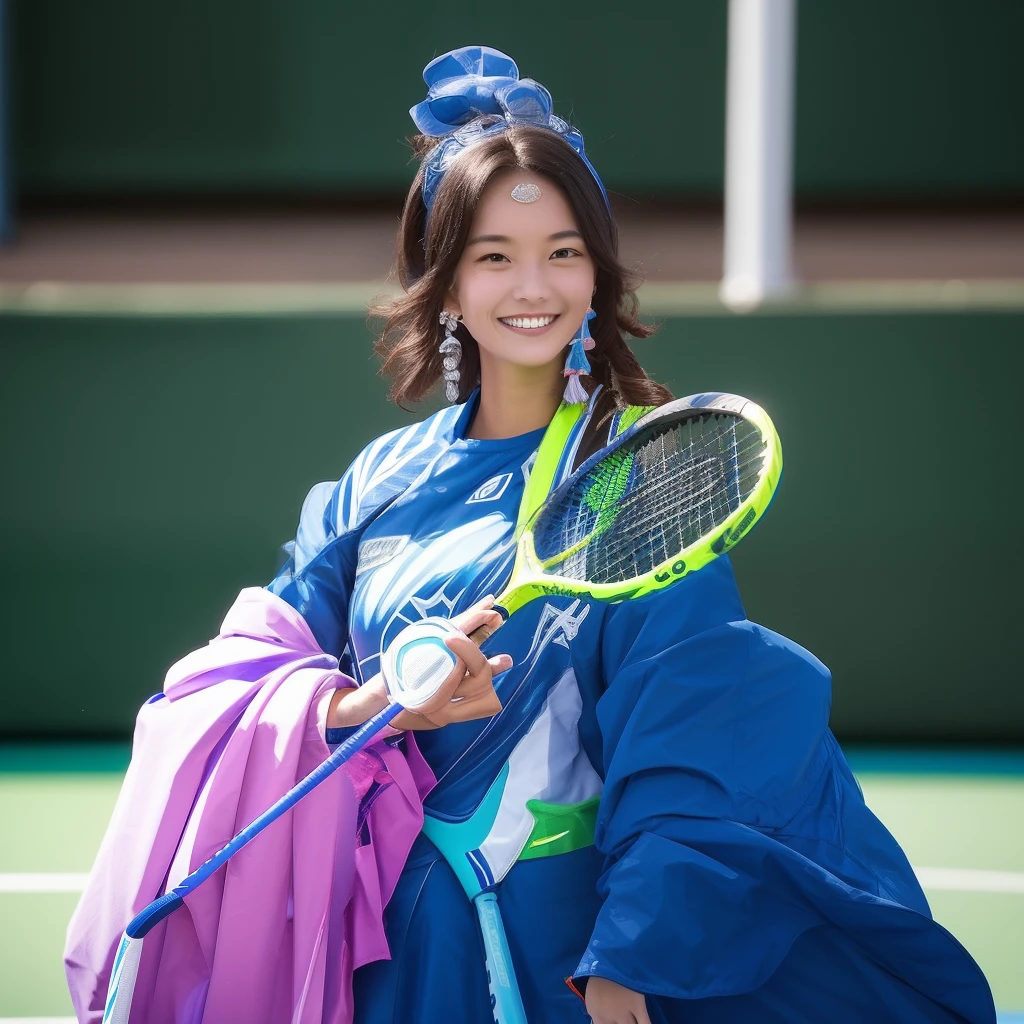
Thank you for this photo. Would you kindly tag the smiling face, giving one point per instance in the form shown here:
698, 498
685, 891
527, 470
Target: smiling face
525, 279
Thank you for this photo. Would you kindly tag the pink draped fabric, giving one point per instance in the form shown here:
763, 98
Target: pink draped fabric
275, 935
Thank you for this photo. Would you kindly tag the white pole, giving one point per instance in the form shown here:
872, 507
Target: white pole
759, 151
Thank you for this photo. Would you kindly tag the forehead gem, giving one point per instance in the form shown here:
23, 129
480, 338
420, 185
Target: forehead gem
526, 192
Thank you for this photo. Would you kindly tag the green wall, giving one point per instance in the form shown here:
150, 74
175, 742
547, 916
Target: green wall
114, 97
152, 466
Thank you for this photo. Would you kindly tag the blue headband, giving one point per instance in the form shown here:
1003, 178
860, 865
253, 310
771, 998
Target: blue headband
475, 92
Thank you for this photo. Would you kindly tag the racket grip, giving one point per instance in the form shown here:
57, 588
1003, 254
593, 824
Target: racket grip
480, 634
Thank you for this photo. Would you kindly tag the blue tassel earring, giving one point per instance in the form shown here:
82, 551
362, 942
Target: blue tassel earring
577, 362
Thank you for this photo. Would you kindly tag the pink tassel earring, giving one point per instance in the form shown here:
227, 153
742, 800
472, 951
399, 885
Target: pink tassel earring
577, 363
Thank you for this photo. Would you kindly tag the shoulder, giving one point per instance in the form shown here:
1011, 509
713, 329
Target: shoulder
378, 474
622, 419
388, 465
605, 422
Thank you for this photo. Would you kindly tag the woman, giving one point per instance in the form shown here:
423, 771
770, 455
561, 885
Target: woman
722, 863
736, 873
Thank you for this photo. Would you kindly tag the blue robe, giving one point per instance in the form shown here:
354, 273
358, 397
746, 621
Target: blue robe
736, 873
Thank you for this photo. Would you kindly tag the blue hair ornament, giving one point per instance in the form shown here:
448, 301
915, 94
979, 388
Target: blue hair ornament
577, 364
475, 92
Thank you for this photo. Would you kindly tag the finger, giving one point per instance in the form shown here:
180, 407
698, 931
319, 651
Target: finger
500, 663
473, 686
484, 706
476, 614
476, 685
488, 668
447, 690
469, 686
474, 697
473, 621
464, 648
481, 704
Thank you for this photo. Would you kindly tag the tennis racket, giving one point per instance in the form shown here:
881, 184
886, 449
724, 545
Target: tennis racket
679, 488
675, 491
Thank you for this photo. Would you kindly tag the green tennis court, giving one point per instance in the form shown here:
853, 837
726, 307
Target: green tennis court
958, 814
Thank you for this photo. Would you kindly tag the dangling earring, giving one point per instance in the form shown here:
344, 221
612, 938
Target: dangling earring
451, 352
577, 363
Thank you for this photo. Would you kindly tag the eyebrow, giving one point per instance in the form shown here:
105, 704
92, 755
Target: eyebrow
557, 236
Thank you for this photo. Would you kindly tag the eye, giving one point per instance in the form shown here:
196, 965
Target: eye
562, 254
493, 257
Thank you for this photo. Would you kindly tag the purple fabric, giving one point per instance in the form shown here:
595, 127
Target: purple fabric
276, 934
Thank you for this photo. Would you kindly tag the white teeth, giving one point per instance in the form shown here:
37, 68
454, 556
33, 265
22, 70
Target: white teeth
527, 321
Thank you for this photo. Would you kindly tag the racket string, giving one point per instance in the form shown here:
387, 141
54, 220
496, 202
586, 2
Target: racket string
652, 498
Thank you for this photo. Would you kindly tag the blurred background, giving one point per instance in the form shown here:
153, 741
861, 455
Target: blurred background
201, 198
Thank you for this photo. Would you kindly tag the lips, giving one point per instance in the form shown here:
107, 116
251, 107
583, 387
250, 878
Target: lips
529, 323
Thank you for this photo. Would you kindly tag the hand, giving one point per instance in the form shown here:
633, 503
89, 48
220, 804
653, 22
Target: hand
467, 693
611, 1003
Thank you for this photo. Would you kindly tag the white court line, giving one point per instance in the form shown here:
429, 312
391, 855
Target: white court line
952, 879
970, 880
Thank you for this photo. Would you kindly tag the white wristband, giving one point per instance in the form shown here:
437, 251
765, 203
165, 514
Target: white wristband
417, 662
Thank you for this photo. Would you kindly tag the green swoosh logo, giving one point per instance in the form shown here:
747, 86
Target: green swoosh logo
548, 839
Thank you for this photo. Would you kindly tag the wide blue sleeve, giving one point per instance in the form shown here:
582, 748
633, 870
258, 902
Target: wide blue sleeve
318, 577
713, 731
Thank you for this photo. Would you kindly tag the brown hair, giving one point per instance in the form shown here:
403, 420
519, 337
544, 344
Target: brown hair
428, 254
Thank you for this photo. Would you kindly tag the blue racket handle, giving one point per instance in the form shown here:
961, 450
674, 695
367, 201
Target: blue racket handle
167, 904
506, 1002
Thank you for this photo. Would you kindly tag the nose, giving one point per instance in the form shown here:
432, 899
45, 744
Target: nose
531, 283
